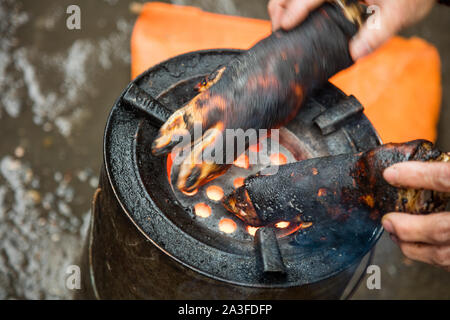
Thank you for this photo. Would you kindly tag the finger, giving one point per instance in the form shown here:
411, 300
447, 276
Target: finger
367, 40
383, 24
275, 9
420, 175
437, 255
296, 11
432, 229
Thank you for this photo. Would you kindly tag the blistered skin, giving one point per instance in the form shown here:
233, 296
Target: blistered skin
337, 187
261, 89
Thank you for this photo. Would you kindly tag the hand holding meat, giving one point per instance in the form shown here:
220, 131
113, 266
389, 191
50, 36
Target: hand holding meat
424, 238
261, 89
391, 17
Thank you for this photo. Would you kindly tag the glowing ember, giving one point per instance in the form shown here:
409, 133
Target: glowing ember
255, 148
252, 230
214, 193
238, 182
282, 224
278, 159
242, 161
227, 225
202, 210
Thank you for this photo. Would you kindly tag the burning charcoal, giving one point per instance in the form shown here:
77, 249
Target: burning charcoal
261, 89
337, 188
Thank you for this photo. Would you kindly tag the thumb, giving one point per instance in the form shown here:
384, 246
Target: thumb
419, 175
376, 30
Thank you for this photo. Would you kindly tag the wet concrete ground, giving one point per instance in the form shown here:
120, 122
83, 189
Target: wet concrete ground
56, 88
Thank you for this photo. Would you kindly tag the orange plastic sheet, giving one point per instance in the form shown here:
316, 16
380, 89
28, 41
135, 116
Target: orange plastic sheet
399, 85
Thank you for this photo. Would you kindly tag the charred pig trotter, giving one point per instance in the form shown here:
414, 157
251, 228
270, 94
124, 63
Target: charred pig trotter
261, 89
337, 186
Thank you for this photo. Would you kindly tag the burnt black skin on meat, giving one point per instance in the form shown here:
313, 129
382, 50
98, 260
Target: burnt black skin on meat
337, 188
261, 89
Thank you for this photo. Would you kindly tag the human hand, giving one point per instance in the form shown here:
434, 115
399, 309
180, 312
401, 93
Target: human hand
393, 16
423, 238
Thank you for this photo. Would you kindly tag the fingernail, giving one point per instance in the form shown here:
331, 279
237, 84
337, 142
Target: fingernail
394, 238
387, 225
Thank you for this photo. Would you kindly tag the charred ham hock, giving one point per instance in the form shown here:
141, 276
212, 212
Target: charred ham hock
263, 88
337, 188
